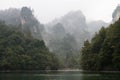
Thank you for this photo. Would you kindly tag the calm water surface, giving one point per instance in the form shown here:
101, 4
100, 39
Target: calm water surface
60, 75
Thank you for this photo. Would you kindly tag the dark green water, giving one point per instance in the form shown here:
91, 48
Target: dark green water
60, 75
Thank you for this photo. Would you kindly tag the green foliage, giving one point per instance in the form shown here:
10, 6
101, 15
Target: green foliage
18, 52
103, 53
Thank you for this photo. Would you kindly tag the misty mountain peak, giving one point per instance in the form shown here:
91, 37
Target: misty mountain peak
75, 15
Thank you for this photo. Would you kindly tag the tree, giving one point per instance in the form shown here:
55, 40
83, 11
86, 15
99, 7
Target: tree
103, 53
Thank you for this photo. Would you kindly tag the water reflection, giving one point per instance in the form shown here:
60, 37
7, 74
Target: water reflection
101, 76
60, 75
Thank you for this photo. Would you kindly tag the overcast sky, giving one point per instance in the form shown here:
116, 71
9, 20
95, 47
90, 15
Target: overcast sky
47, 10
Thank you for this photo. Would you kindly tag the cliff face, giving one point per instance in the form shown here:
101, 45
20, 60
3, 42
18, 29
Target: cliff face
30, 26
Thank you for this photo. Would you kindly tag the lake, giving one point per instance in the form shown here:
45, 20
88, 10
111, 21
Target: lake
59, 75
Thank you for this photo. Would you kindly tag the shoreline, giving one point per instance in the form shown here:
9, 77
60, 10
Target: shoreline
61, 70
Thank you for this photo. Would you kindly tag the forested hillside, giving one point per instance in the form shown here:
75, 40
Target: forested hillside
18, 52
103, 52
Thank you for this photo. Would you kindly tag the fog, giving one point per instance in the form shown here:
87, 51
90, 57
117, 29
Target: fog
47, 10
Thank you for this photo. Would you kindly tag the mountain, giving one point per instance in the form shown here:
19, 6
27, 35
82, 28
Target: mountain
74, 23
23, 19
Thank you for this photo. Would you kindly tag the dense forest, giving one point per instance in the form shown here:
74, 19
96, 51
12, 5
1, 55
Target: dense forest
103, 52
18, 52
